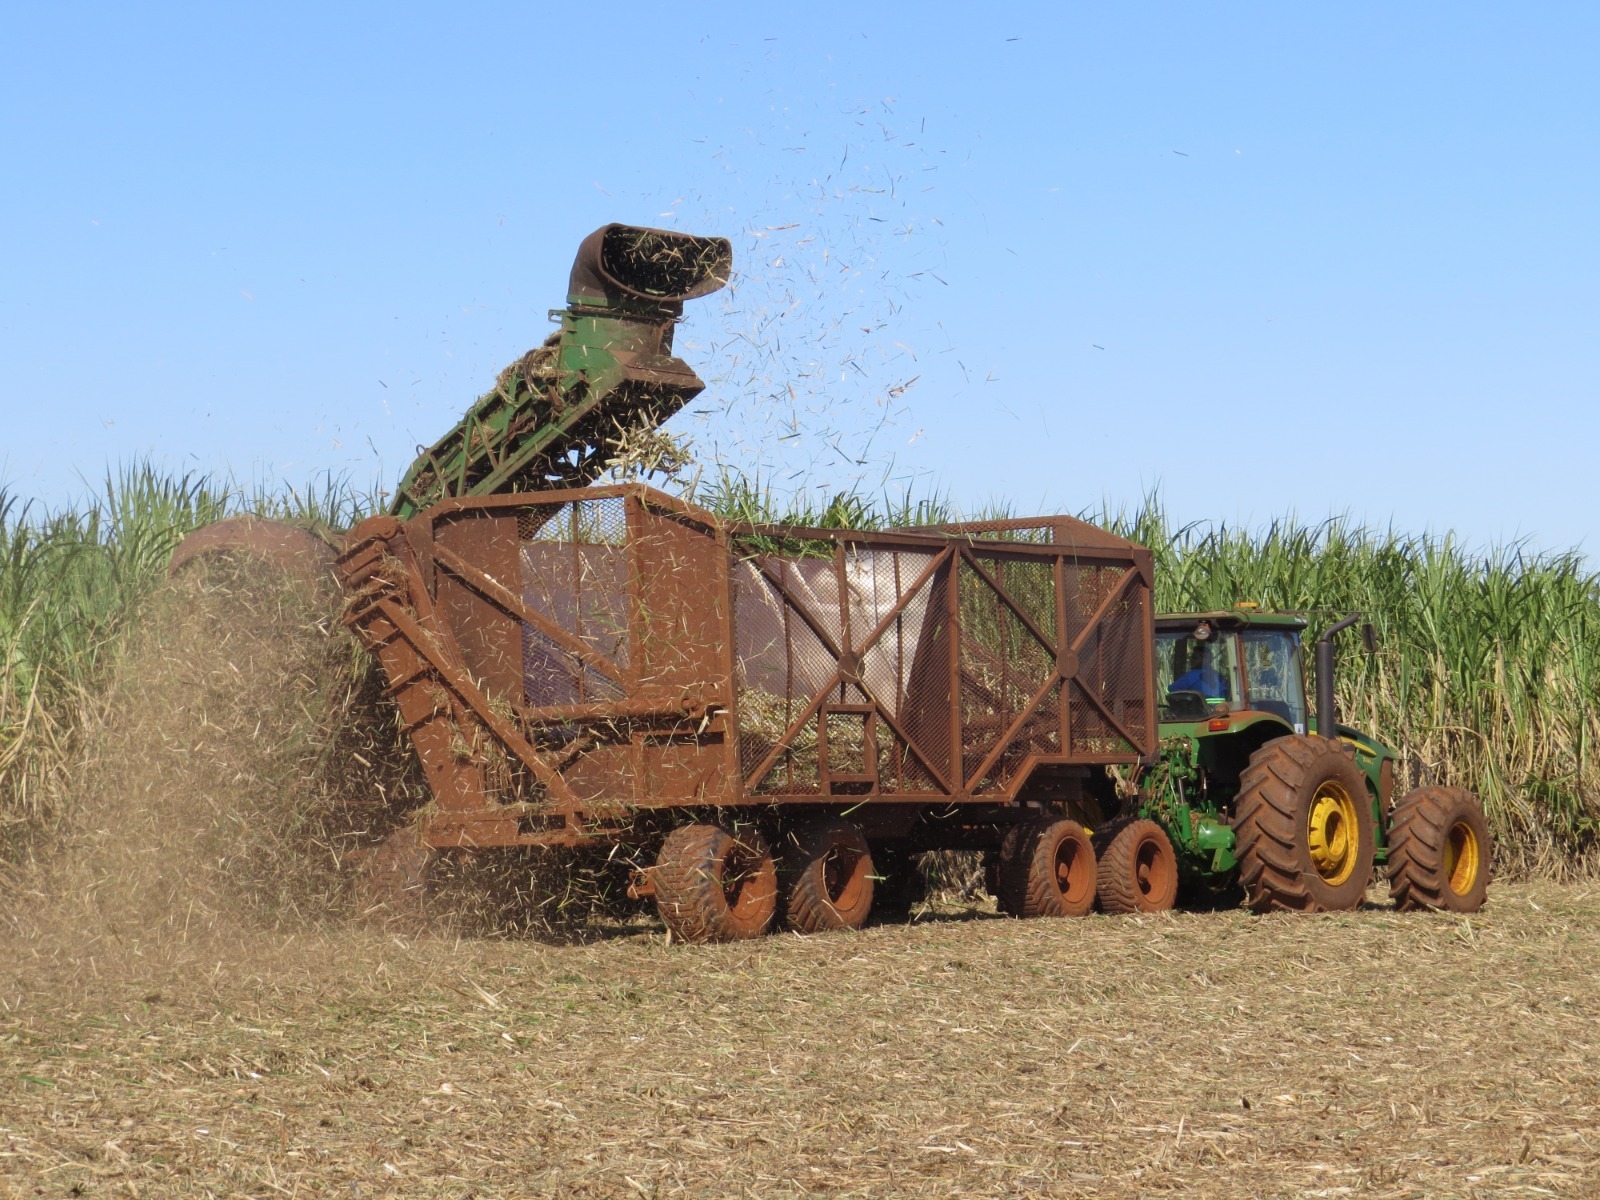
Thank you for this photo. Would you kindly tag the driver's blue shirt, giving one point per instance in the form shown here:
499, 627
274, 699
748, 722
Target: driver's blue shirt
1204, 680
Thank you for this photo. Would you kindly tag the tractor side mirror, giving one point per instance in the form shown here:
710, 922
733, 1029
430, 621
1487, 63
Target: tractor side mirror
1369, 637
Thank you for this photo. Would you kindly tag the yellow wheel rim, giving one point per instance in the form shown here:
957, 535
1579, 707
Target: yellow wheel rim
1462, 858
1334, 835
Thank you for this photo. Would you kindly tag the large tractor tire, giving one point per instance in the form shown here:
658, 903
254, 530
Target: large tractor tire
829, 875
1304, 825
1047, 870
1138, 871
1440, 851
716, 886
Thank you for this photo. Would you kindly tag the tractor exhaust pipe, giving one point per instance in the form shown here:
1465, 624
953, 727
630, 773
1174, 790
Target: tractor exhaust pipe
1327, 723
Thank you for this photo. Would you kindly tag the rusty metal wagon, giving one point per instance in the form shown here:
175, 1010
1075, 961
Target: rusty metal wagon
613, 664
772, 720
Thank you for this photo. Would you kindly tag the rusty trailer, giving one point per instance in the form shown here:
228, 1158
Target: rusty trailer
614, 665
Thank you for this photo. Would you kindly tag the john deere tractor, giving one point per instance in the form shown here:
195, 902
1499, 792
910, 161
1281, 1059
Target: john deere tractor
1250, 790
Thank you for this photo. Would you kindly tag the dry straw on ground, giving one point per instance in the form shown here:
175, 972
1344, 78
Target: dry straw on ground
1221, 1055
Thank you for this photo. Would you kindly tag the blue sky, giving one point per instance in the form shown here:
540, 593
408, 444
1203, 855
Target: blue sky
1270, 258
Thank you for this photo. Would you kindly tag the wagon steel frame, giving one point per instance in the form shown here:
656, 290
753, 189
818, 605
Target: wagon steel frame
570, 663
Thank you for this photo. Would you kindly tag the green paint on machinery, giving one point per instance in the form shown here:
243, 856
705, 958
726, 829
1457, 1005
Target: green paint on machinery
1243, 791
1254, 660
555, 417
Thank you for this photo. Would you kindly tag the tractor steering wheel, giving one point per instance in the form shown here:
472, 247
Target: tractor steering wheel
1186, 705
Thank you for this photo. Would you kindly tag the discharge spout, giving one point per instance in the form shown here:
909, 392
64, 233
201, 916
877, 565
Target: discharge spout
554, 416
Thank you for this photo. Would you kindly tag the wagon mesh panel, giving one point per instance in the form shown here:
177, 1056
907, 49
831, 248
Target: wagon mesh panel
1031, 586
1115, 673
1003, 665
1109, 669
761, 659
780, 664
888, 663
882, 593
784, 665
574, 573
1087, 586
927, 702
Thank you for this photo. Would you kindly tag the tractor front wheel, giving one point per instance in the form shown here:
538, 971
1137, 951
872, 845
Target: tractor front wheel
1304, 825
1047, 870
1439, 851
715, 886
1138, 872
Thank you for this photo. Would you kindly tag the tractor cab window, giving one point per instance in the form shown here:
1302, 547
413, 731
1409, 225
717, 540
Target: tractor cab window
1192, 675
1272, 666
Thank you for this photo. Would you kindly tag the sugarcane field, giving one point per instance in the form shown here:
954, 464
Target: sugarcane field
842, 699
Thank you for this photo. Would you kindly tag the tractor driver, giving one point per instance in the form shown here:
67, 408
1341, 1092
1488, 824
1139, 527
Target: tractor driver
1202, 676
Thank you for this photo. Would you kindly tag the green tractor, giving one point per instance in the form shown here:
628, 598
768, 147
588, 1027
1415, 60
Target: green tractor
1252, 791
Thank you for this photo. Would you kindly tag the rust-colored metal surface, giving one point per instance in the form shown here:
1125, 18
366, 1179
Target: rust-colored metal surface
572, 664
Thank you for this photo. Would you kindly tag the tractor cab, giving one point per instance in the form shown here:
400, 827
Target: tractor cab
1216, 664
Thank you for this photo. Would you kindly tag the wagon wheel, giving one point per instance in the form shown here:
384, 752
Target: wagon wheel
829, 875
1138, 871
1304, 825
716, 886
1047, 870
1439, 851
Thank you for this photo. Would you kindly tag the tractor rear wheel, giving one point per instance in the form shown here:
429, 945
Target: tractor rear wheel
1304, 825
1439, 851
1138, 871
716, 886
829, 873
1047, 870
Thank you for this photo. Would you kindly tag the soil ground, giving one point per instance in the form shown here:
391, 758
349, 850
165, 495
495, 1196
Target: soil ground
1220, 1055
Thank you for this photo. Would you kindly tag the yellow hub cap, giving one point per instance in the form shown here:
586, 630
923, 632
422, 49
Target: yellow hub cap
1334, 834
1462, 857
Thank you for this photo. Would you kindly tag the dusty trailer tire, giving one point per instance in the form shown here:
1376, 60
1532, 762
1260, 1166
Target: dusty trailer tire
1047, 869
1304, 826
828, 874
1440, 851
1138, 871
715, 886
